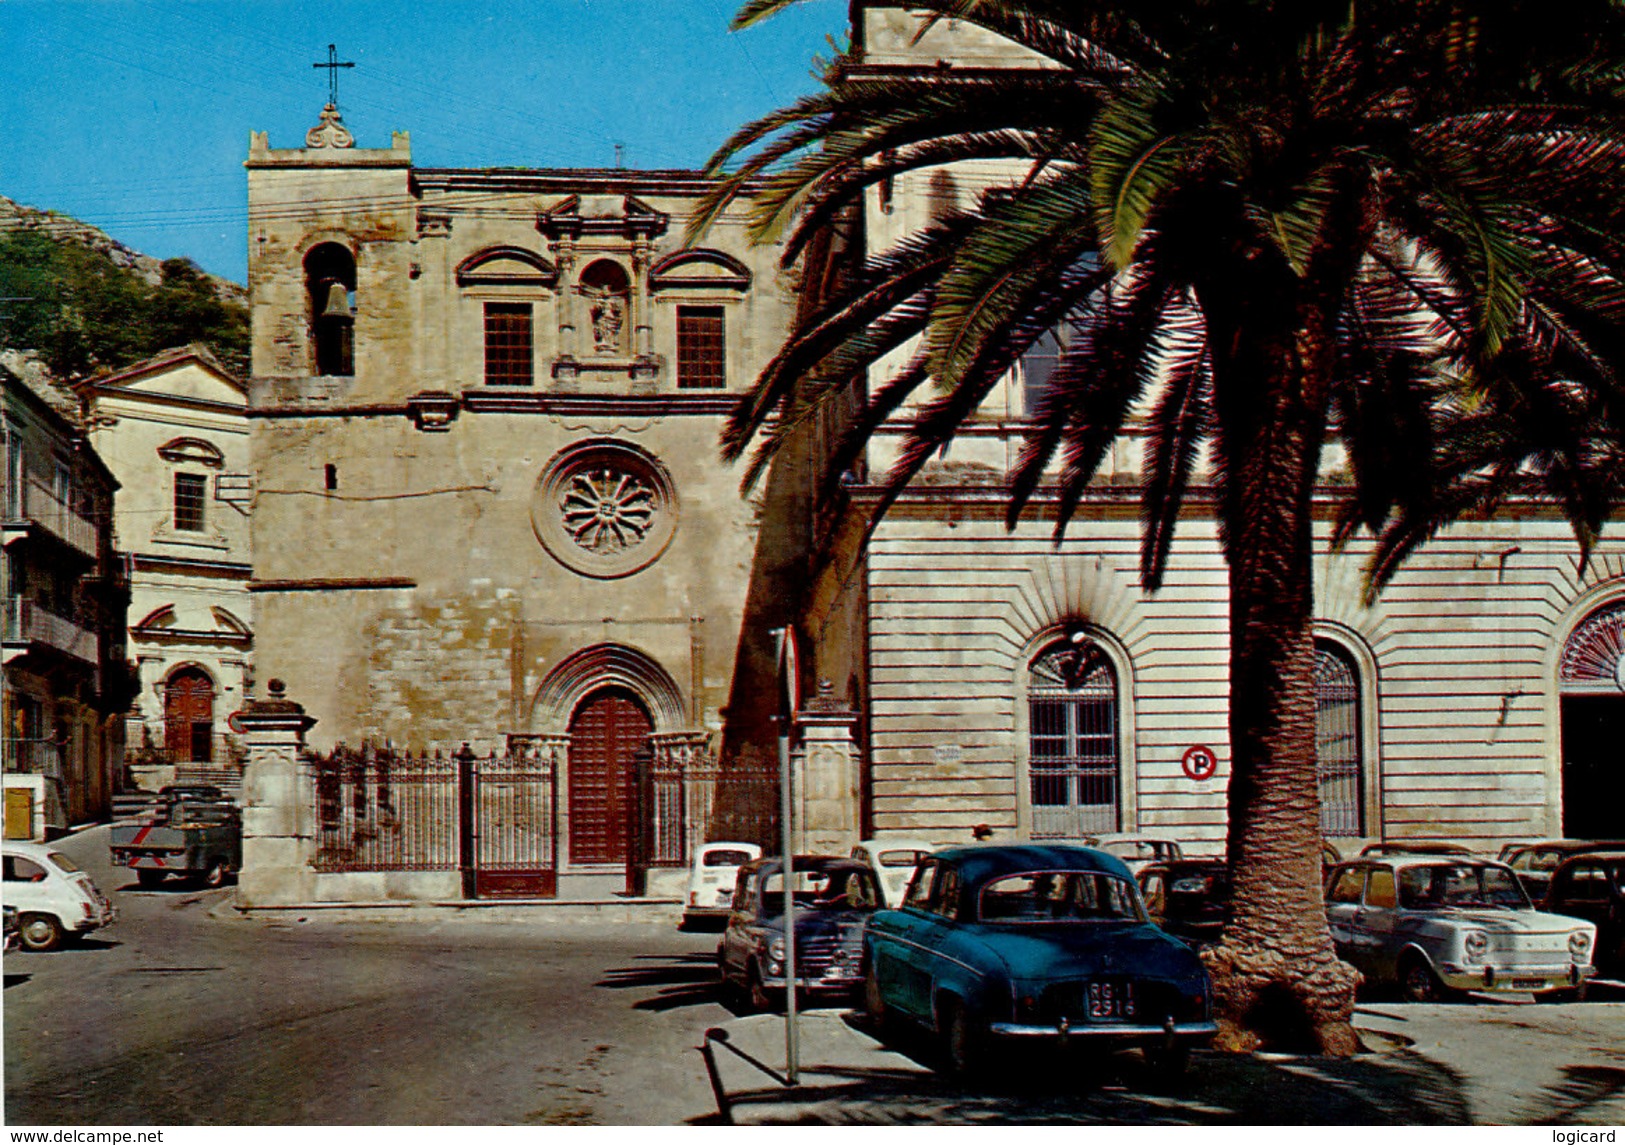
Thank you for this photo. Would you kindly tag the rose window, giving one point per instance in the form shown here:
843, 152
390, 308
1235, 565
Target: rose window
607, 510
604, 508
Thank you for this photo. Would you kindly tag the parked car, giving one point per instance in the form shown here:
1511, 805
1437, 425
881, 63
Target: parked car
1188, 898
13, 929
1136, 851
55, 900
1436, 924
711, 878
1591, 886
834, 898
1536, 861
1028, 944
1416, 847
893, 862
195, 832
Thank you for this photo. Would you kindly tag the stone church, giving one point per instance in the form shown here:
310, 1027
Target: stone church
487, 506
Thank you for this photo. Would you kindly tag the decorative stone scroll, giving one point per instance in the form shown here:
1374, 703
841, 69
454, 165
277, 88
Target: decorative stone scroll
330, 132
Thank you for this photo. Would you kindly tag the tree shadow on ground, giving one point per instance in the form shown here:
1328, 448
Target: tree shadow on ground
1033, 1088
1587, 1095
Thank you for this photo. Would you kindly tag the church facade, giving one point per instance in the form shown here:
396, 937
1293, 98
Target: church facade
487, 507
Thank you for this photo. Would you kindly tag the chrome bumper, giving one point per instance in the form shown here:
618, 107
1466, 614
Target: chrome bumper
1516, 979
1064, 1031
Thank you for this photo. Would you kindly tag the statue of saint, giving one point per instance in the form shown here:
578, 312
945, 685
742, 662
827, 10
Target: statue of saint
607, 315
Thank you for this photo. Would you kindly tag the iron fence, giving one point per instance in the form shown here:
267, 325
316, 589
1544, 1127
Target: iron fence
377, 810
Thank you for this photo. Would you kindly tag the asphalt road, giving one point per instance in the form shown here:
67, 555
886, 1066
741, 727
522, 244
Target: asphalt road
186, 1014
174, 1017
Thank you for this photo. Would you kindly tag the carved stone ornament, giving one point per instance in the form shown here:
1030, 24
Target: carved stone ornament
604, 509
330, 132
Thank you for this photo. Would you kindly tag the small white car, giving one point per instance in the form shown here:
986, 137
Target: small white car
711, 880
1437, 925
893, 862
54, 899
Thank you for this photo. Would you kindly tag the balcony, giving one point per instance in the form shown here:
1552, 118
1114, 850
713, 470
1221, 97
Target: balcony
29, 625
34, 757
36, 505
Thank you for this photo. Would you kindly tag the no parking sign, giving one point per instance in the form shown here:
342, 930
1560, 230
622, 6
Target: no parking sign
1200, 762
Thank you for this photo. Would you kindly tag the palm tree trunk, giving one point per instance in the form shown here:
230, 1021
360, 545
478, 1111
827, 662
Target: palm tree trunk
1277, 979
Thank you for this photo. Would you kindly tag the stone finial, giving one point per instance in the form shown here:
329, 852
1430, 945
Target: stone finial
824, 701
330, 132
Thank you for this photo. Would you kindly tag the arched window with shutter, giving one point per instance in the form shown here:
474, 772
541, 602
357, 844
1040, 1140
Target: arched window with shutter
1339, 754
1072, 741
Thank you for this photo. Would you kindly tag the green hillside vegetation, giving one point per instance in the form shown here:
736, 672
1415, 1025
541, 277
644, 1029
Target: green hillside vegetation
83, 314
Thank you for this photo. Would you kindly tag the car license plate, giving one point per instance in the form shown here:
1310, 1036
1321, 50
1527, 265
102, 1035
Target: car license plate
1110, 1000
1529, 983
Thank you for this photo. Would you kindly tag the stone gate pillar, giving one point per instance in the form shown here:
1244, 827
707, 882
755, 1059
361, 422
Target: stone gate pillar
828, 779
279, 803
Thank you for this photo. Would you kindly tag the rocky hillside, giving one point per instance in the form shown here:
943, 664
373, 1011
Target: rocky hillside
14, 216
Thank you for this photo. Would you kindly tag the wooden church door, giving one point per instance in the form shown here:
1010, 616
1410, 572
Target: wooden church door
189, 717
610, 728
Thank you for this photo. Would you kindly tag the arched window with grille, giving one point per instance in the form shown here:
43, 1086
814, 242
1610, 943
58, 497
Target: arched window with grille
1339, 754
1072, 742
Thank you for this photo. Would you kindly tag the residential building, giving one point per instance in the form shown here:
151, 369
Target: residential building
66, 591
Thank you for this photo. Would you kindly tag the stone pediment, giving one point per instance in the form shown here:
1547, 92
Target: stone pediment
633, 219
190, 373
506, 266
701, 267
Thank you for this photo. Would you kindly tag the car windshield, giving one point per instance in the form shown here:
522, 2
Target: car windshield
901, 858
725, 858
62, 862
1059, 896
1448, 886
841, 889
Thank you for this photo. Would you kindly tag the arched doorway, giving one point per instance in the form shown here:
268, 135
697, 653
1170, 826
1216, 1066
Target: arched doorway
608, 732
189, 716
1591, 682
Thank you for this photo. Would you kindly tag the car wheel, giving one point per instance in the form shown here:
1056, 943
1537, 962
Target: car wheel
964, 1042
149, 878
40, 932
874, 1001
1418, 983
756, 995
215, 877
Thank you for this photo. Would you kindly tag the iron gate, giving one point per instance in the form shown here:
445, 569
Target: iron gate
492, 818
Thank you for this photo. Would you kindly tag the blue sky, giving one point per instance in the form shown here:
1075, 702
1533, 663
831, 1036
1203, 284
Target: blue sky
134, 115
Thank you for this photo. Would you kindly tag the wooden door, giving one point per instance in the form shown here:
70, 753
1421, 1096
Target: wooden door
189, 717
609, 729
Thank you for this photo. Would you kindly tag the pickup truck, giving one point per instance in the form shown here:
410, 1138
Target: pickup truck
195, 832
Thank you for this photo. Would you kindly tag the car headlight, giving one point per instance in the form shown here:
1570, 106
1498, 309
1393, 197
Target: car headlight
1475, 943
1579, 944
775, 950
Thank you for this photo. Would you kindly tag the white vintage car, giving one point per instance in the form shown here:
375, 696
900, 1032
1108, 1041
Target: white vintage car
1438, 925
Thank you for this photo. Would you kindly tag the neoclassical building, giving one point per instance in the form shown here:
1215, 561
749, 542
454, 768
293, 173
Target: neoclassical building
1035, 688
174, 430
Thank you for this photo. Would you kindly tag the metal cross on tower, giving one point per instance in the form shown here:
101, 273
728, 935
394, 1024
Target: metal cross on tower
333, 65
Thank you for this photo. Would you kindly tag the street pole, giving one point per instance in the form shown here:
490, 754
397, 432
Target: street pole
791, 1049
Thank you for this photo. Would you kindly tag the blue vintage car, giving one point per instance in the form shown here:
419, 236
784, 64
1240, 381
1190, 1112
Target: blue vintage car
834, 898
1033, 944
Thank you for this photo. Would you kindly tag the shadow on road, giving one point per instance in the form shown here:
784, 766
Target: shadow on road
16, 980
1392, 1088
678, 979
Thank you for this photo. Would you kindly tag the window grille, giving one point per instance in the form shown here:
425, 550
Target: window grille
1338, 753
508, 352
702, 356
1072, 761
191, 490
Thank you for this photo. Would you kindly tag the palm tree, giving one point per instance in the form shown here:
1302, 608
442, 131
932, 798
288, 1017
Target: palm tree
1395, 222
